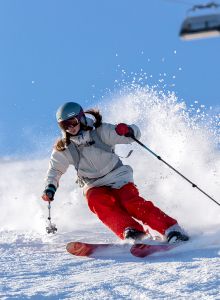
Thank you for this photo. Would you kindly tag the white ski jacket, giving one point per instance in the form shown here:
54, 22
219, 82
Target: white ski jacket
96, 167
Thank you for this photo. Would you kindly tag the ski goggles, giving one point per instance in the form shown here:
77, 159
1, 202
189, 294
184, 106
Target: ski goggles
72, 122
69, 123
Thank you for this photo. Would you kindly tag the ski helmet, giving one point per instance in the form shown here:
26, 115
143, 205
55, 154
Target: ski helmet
69, 110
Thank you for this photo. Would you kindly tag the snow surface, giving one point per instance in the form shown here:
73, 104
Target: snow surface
35, 265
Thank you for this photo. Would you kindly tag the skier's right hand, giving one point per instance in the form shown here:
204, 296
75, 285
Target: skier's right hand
124, 129
49, 192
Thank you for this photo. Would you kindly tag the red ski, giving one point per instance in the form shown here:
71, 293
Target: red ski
96, 250
143, 250
85, 249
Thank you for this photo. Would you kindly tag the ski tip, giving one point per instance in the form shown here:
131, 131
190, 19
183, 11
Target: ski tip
78, 249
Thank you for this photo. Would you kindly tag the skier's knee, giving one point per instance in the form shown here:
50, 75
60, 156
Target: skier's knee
100, 201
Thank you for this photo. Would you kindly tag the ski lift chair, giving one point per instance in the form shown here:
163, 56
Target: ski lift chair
201, 26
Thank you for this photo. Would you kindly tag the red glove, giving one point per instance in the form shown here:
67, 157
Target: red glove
124, 129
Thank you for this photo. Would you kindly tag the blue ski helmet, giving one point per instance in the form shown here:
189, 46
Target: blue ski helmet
70, 110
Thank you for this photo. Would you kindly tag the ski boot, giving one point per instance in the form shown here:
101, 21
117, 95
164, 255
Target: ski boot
176, 234
134, 234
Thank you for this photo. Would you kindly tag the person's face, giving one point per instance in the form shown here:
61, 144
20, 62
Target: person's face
71, 126
73, 129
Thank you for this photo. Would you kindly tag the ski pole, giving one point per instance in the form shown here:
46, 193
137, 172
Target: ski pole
158, 157
51, 228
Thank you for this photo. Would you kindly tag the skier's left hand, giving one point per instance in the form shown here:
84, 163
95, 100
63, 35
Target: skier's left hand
124, 129
49, 192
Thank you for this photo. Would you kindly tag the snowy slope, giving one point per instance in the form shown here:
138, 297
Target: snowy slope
37, 268
35, 265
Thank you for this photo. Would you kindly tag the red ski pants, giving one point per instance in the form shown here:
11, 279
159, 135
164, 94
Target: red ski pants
117, 208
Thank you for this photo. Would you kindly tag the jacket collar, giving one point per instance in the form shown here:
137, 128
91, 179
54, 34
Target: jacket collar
83, 138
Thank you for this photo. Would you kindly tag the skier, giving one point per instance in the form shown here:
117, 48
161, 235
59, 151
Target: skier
108, 184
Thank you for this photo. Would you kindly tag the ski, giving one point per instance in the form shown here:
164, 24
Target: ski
144, 250
84, 249
97, 250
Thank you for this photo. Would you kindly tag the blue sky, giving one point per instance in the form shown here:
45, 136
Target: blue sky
52, 51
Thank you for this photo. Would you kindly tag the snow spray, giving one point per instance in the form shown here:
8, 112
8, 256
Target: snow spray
172, 168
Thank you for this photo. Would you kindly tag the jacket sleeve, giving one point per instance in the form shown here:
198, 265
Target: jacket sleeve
110, 137
58, 165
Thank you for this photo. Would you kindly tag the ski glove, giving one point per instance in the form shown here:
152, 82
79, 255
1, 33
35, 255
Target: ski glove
49, 192
124, 129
